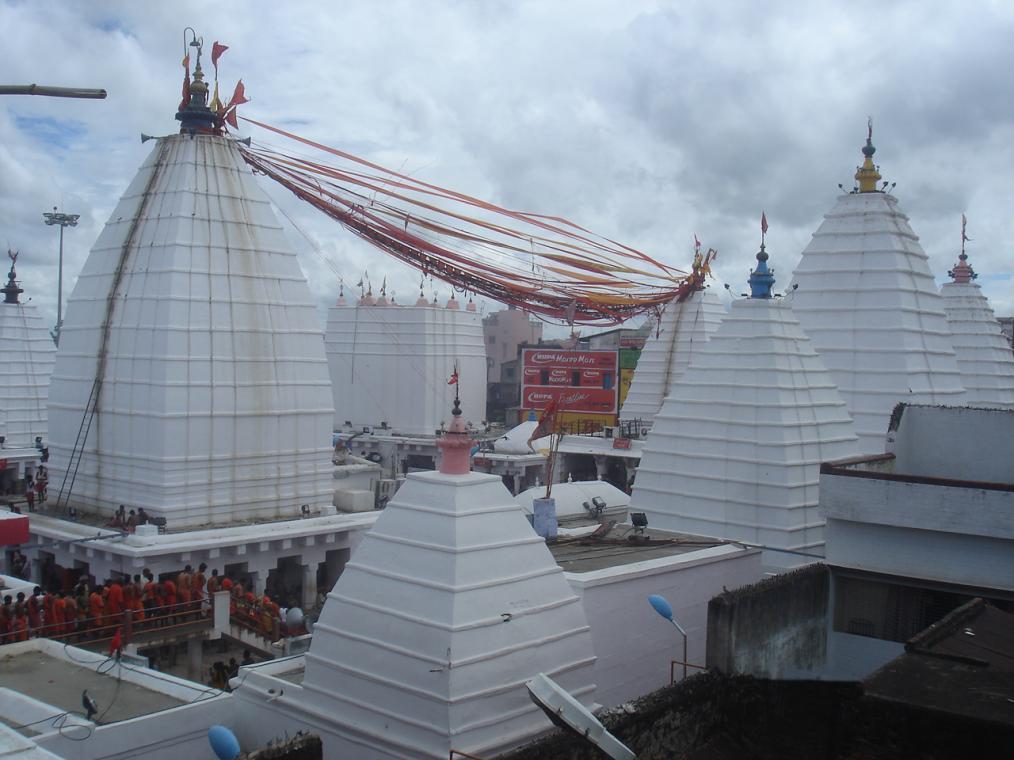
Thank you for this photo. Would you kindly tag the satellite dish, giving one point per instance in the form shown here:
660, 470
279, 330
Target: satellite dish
566, 712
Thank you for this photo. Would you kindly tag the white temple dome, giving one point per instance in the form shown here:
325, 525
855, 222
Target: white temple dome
446, 607
984, 355
869, 304
736, 448
214, 401
28, 354
683, 329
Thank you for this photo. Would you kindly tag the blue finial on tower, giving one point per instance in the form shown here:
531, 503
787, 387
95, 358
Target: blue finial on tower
761, 279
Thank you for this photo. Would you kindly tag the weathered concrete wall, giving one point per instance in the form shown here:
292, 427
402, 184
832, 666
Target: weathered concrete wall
774, 629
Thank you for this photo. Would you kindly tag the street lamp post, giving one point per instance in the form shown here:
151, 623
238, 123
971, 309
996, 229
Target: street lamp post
64, 220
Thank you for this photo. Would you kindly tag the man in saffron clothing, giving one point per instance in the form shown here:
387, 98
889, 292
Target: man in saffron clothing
96, 607
197, 586
114, 602
184, 588
59, 615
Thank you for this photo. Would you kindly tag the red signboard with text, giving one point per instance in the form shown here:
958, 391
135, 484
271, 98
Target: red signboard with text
582, 381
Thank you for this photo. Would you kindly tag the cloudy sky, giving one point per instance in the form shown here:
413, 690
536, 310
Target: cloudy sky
644, 121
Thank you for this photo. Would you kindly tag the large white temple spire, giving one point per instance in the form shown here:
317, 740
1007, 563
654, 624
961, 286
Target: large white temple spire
191, 378
737, 446
869, 304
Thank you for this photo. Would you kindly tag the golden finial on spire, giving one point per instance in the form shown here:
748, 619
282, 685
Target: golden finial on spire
867, 175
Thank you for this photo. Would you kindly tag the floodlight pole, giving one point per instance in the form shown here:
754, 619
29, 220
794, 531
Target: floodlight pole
684, 635
64, 220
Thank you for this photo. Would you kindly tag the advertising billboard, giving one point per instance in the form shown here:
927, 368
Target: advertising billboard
582, 381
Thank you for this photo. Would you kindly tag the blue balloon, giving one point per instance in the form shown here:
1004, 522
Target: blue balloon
223, 742
661, 605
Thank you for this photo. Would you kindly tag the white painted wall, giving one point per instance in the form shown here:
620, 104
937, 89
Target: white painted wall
954, 442
633, 644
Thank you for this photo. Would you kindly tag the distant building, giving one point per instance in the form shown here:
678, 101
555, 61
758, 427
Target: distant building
503, 332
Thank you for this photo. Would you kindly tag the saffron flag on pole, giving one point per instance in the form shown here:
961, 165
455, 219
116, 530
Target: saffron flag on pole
454, 378
186, 82
547, 422
764, 223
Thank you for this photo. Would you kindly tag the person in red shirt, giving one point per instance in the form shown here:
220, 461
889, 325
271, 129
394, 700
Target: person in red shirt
114, 602
148, 593
59, 615
215, 583
170, 597
197, 586
70, 614
19, 627
35, 610
47, 615
184, 587
6, 619
96, 606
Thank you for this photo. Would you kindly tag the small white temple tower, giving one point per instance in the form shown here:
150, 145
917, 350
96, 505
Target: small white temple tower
447, 606
868, 302
191, 378
984, 356
736, 449
684, 328
26, 363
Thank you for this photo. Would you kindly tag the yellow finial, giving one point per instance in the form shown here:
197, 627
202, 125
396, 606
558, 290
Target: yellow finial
867, 175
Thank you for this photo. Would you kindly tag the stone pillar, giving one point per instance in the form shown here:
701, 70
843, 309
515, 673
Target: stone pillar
601, 467
258, 580
517, 484
195, 659
309, 586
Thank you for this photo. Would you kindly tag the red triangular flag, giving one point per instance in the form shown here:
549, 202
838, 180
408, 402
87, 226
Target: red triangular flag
764, 223
230, 118
216, 53
238, 95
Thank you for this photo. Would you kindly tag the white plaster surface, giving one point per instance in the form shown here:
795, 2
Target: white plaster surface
215, 399
984, 355
940, 533
683, 329
447, 606
959, 443
869, 304
633, 644
392, 363
26, 364
735, 451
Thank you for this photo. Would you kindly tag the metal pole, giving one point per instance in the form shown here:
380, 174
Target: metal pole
59, 293
62, 220
684, 635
